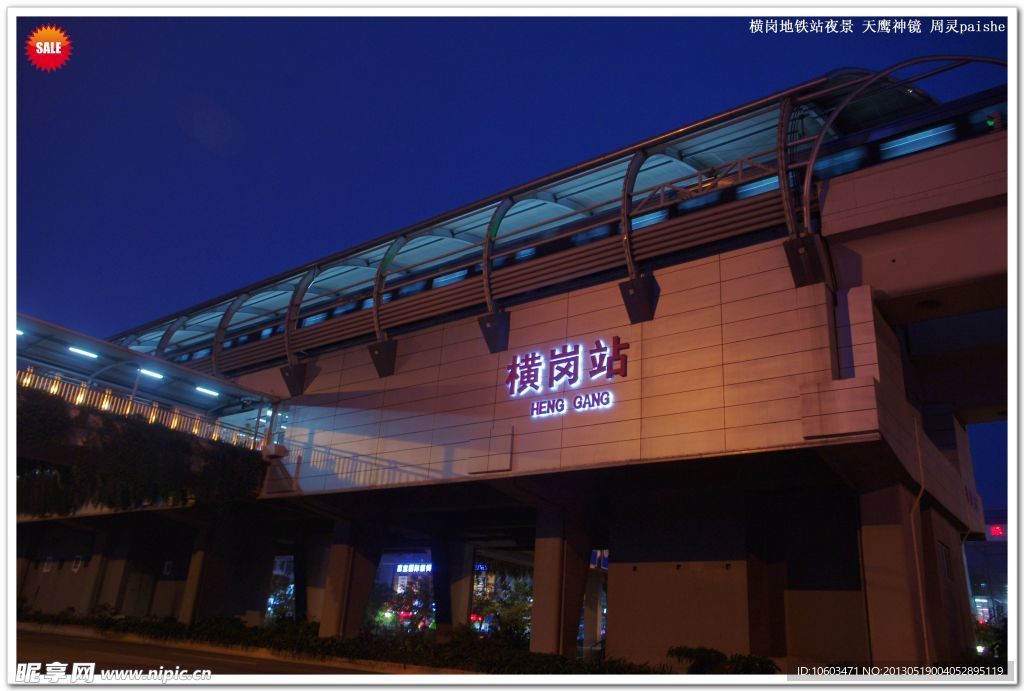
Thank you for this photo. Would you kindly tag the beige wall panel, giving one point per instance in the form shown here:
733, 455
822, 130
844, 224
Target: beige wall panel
348, 419
535, 337
445, 435
534, 461
754, 285
760, 413
682, 342
426, 406
592, 299
785, 322
683, 321
430, 338
680, 445
460, 331
683, 402
688, 276
527, 442
330, 362
700, 358
772, 303
394, 429
533, 313
602, 433
472, 355
608, 320
594, 454
389, 445
849, 422
678, 382
476, 401
772, 389
778, 344
767, 435
697, 421
689, 300
778, 366
772, 256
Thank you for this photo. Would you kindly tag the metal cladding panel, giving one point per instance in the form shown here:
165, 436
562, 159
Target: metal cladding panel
464, 294
702, 227
338, 329
557, 268
205, 365
251, 354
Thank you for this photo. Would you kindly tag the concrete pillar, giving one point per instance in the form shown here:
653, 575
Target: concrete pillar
190, 596
300, 572
439, 559
351, 567
891, 548
561, 560
452, 576
592, 610
114, 575
460, 578
95, 573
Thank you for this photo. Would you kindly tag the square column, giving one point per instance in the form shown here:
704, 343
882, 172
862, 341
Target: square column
351, 567
561, 560
891, 548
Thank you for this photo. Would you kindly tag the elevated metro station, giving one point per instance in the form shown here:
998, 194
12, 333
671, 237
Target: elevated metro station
738, 359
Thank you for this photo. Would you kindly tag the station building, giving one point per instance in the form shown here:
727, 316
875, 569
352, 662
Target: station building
738, 358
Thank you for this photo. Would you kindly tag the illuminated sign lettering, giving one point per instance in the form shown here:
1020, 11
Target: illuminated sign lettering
568, 366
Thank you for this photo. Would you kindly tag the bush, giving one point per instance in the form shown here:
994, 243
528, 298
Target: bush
122, 463
467, 649
710, 661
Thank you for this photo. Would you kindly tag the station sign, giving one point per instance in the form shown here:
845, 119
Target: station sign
564, 368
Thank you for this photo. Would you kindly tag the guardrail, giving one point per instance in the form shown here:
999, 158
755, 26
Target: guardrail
80, 393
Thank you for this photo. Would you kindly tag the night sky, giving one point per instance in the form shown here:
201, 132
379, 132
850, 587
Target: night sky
173, 160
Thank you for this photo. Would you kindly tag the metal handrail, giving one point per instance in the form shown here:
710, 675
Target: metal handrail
79, 393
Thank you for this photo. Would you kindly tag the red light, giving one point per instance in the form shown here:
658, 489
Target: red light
997, 531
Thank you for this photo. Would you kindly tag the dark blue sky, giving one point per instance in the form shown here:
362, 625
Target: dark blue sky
172, 160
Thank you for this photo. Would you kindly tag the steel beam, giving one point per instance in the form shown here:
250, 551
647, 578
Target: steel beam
495, 325
640, 291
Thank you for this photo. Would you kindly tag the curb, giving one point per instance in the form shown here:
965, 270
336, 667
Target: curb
367, 666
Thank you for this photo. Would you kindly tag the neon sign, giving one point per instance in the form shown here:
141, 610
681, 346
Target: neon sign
568, 366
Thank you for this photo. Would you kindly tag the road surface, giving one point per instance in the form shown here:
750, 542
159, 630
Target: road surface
47, 647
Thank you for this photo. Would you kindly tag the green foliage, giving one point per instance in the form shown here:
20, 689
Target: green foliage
508, 605
122, 463
993, 638
710, 661
43, 489
41, 419
467, 650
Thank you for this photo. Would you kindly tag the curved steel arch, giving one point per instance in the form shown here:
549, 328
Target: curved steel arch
782, 164
812, 159
626, 222
378, 280
169, 333
222, 328
291, 318
489, 238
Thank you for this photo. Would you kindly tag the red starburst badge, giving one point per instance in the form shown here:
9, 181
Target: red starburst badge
48, 48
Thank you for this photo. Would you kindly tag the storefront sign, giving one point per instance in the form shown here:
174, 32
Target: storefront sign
567, 367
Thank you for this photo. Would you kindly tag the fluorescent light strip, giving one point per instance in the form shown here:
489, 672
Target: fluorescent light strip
19, 332
208, 392
79, 351
151, 373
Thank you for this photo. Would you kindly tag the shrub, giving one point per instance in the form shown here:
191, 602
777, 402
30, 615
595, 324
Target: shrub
710, 661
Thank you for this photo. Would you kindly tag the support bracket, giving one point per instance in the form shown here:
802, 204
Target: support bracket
640, 296
384, 353
495, 329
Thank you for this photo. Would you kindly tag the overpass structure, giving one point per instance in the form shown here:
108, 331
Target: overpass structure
740, 357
